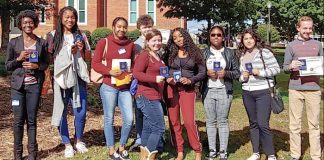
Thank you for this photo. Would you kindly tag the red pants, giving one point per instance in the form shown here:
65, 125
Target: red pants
184, 100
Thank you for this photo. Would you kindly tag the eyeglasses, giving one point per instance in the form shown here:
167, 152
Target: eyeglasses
218, 35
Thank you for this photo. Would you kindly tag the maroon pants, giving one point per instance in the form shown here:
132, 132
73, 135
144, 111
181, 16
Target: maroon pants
184, 100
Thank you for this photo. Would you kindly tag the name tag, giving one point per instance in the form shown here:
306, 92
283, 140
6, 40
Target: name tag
121, 50
15, 103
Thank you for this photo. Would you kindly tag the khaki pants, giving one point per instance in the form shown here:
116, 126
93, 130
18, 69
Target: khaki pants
312, 100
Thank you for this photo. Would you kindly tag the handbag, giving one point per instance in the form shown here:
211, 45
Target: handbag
96, 77
277, 105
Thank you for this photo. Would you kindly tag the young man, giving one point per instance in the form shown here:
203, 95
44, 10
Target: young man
303, 90
144, 24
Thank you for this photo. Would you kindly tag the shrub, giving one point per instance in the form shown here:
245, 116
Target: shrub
99, 33
88, 34
133, 35
274, 33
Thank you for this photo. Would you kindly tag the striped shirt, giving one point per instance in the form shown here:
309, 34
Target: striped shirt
260, 82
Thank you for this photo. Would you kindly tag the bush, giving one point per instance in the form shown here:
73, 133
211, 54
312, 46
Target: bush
88, 34
99, 33
274, 34
133, 35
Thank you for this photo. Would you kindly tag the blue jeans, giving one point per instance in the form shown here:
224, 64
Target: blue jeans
79, 113
138, 124
217, 105
110, 96
153, 122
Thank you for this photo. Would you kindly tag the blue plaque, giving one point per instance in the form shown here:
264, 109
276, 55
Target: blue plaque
177, 76
217, 66
164, 71
33, 57
123, 66
249, 67
78, 37
303, 66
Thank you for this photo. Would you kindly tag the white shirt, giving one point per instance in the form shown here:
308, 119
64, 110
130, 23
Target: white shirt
216, 56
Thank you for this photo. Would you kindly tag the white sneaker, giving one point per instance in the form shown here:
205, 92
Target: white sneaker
255, 156
69, 151
81, 148
272, 157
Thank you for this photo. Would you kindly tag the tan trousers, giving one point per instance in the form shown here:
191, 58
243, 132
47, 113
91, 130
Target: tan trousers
312, 100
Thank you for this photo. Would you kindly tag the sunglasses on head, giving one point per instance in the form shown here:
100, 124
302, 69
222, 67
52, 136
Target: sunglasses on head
218, 35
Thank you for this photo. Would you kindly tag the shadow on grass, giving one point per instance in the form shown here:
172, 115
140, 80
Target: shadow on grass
43, 154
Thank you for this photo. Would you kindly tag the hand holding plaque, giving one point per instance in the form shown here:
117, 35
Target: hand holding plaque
123, 66
164, 71
177, 76
217, 66
33, 57
249, 67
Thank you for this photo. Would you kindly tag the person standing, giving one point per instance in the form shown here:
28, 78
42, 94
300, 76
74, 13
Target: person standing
118, 47
256, 92
27, 58
144, 24
217, 90
187, 67
70, 78
304, 90
150, 93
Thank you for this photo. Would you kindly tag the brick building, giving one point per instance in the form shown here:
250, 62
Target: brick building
100, 13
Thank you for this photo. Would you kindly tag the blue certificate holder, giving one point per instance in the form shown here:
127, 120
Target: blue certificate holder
164, 71
33, 57
123, 66
217, 66
249, 67
78, 37
303, 66
177, 76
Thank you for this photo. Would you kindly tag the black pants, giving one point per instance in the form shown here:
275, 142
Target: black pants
257, 105
25, 105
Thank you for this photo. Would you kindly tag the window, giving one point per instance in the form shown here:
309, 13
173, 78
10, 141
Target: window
133, 12
151, 9
80, 6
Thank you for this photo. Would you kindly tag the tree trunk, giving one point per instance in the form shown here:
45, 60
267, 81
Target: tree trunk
5, 23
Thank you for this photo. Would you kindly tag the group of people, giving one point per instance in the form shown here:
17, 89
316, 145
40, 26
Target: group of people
214, 68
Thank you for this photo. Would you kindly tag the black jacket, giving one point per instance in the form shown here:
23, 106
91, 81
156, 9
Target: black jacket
232, 71
15, 46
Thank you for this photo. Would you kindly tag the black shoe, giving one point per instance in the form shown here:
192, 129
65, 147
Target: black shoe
115, 156
212, 154
292, 158
135, 146
124, 155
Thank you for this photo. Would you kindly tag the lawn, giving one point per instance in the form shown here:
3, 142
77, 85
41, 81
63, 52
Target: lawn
239, 142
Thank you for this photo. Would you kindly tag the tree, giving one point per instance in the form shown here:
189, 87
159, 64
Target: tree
274, 33
10, 9
232, 12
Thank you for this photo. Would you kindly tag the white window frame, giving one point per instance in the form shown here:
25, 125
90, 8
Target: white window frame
154, 3
76, 6
129, 15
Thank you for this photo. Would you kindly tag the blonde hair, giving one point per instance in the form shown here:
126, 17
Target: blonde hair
303, 18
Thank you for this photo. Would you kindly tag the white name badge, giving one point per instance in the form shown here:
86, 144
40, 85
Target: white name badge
15, 103
121, 50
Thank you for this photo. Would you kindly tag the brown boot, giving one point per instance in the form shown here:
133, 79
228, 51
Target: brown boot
143, 153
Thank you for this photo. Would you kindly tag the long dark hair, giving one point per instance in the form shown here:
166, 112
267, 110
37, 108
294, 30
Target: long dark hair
59, 34
259, 43
189, 46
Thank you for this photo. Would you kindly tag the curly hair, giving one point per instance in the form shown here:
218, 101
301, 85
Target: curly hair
27, 13
144, 20
189, 46
259, 43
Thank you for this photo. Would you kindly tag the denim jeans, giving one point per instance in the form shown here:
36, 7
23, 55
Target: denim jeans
153, 122
257, 105
110, 96
25, 104
138, 123
79, 113
217, 104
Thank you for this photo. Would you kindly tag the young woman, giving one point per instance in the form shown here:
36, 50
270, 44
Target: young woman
217, 90
27, 58
187, 67
70, 77
256, 93
119, 47
149, 93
